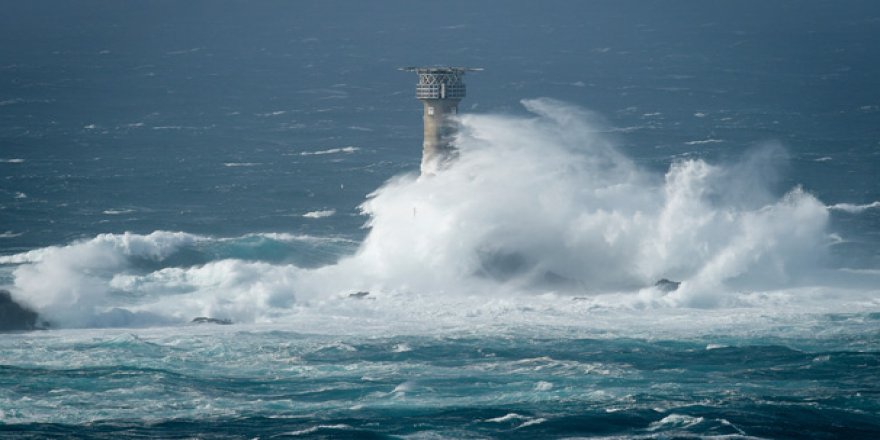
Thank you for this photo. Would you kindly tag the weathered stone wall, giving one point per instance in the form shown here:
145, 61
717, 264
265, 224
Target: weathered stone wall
441, 124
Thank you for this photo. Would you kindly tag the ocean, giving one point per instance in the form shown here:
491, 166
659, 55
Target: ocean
663, 221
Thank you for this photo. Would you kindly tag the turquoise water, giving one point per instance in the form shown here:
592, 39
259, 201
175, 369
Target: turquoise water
263, 382
257, 165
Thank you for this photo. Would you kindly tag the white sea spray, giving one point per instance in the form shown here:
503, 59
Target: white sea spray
536, 211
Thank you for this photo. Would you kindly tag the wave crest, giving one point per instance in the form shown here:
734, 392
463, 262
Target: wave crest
544, 204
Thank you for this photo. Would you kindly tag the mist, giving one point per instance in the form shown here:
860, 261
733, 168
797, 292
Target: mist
535, 205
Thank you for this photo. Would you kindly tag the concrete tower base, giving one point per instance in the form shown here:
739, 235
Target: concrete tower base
441, 125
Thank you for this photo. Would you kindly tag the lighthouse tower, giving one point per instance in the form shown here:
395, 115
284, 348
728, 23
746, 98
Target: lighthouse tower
440, 89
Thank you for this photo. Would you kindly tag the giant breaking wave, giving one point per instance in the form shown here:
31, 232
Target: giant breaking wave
537, 211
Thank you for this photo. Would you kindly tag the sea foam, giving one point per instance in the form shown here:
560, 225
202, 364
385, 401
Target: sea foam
541, 219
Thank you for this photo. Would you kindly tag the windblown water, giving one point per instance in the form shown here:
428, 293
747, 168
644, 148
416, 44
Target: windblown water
664, 221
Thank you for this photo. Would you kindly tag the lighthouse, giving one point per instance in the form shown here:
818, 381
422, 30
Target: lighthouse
440, 89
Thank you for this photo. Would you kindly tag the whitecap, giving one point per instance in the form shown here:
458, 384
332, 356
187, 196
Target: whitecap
527, 421
401, 348
404, 387
507, 417
319, 214
240, 164
287, 237
348, 150
675, 421
854, 208
532, 422
543, 386
705, 141
314, 429
67, 284
272, 113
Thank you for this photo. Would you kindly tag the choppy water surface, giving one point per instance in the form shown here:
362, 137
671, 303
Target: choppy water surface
269, 382
255, 164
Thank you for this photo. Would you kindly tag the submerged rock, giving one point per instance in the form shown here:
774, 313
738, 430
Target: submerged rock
667, 285
14, 316
206, 320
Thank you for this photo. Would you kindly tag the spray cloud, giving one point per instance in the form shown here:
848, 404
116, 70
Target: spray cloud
533, 205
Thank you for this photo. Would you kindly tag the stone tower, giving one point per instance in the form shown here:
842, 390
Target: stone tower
440, 89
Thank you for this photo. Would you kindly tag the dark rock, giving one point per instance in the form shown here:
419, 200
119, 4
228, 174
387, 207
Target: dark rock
206, 320
15, 317
358, 295
667, 285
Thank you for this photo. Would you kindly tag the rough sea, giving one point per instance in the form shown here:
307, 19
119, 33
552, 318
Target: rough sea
256, 164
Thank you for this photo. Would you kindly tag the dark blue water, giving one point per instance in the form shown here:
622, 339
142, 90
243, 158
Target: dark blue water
161, 161
283, 384
176, 91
